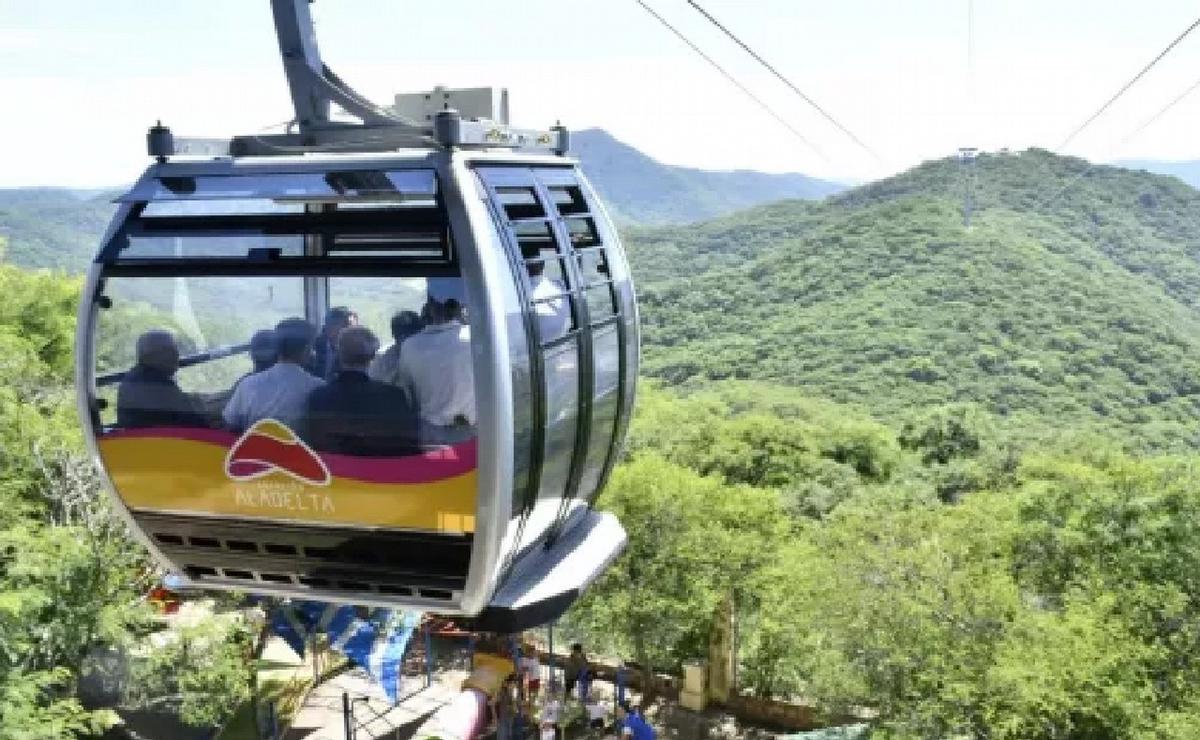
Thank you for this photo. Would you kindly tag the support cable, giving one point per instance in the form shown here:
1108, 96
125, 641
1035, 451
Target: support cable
1124, 88
733, 80
1124, 140
758, 58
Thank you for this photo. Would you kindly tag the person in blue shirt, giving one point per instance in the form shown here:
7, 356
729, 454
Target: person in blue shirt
633, 725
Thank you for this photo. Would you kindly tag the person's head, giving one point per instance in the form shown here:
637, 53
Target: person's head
157, 349
445, 299
404, 325
294, 340
577, 648
356, 347
264, 350
624, 709
336, 319
437, 312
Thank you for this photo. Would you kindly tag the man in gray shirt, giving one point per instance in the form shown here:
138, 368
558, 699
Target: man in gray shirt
280, 392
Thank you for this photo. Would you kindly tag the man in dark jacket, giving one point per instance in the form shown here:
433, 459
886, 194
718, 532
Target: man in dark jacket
325, 356
354, 415
148, 395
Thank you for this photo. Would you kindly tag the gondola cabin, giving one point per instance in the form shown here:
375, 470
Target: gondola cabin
389, 378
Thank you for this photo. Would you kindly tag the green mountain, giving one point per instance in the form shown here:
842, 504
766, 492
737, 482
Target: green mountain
1058, 307
59, 227
639, 189
53, 227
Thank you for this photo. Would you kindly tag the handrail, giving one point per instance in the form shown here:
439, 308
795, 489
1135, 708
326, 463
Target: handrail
199, 358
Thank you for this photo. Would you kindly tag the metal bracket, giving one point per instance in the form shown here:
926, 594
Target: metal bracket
315, 89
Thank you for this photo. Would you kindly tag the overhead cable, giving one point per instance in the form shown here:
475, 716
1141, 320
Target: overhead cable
1079, 129
733, 80
758, 58
1124, 140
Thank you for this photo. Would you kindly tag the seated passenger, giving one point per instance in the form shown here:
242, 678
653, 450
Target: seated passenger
281, 391
385, 367
264, 350
263, 353
354, 415
553, 313
324, 363
435, 368
148, 395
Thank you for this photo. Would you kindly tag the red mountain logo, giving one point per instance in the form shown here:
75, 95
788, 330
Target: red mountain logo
269, 446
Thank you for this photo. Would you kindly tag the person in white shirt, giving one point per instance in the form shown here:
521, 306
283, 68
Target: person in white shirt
435, 370
550, 716
281, 391
596, 712
553, 310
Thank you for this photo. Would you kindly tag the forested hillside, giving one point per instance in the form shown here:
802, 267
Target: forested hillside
53, 227
1056, 307
948, 478
639, 189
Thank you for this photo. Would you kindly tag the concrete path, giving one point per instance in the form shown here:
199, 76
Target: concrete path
322, 717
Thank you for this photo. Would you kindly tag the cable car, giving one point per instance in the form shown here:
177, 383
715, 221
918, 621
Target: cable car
239, 393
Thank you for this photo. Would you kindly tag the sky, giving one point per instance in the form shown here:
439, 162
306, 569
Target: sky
80, 80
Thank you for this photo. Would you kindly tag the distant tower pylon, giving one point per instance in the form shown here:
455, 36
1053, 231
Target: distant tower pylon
966, 156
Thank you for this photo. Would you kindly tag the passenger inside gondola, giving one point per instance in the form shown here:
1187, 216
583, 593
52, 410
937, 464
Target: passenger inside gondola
386, 367
264, 350
148, 395
324, 363
435, 367
279, 392
354, 415
552, 308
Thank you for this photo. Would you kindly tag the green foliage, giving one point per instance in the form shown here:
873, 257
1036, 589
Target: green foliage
696, 540
946, 433
200, 669
69, 578
1075, 312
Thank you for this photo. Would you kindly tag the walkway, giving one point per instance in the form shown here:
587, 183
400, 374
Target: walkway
321, 716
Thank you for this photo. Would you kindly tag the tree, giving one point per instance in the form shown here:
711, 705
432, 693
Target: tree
692, 540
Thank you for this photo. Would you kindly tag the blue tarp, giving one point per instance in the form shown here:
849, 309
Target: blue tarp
377, 644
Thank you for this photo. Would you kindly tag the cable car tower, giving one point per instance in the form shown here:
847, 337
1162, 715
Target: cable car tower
235, 391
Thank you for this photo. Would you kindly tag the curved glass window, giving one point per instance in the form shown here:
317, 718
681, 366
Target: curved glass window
300, 386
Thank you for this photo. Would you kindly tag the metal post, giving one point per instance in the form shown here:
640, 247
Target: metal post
471, 652
620, 684
315, 657
515, 648
550, 657
348, 716
428, 655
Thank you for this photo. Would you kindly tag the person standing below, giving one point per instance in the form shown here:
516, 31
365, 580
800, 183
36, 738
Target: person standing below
325, 358
281, 391
596, 713
633, 725
577, 670
435, 370
148, 395
354, 415
506, 708
550, 716
386, 367
531, 670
